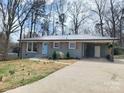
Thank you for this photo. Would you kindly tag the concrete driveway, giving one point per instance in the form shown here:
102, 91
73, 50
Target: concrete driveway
81, 77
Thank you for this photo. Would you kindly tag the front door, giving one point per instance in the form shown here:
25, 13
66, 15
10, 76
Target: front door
45, 48
97, 51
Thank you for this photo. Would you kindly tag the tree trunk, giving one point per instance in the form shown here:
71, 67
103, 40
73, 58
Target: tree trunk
120, 32
113, 19
53, 25
5, 55
76, 29
101, 25
48, 33
20, 43
63, 29
31, 26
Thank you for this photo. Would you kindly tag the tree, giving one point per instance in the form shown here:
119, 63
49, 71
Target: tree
61, 10
98, 28
46, 25
100, 10
54, 18
77, 15
2, 41
8, 9
37, 11
121, 27
47, 19
112, 18
23, 12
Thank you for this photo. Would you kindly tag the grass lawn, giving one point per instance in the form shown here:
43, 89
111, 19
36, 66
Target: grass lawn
21, 72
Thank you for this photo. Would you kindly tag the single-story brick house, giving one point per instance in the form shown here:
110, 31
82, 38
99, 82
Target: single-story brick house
78, 46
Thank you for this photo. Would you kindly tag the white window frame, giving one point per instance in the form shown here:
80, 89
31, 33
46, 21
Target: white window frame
55, 46
31, 46
70, 45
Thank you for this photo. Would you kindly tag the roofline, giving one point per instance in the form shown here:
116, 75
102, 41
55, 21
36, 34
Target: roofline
65, 39
75, 40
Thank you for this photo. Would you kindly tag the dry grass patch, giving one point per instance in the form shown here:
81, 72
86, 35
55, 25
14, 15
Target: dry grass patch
20, 72
67, 61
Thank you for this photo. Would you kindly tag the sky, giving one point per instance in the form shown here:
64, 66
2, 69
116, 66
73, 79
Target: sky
49, 1
89, 24
15, 36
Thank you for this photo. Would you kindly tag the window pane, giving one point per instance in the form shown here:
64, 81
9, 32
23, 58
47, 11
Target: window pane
56, 45
29, 46
72, 45
34, 46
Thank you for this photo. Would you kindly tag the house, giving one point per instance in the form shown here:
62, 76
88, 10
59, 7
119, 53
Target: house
78, 46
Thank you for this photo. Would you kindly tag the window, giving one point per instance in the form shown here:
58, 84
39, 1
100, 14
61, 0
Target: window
72, 45
56, 45
31, 47
35, 47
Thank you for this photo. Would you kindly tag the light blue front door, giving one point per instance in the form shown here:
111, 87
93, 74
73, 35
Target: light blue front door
45, 49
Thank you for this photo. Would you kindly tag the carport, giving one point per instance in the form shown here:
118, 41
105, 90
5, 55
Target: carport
93, 50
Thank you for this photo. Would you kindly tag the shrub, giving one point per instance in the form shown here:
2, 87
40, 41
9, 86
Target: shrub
108, 57
60, 55
77, 58
119, 51
50, 58
68, 55
116, 52
54, 55
110, 46
11, 72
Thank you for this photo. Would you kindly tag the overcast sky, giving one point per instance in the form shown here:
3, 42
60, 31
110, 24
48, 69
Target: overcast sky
89, 24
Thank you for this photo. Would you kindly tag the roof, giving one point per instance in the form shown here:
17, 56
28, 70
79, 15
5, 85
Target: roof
69, 38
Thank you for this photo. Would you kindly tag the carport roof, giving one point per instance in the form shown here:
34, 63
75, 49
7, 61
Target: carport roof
70, 38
